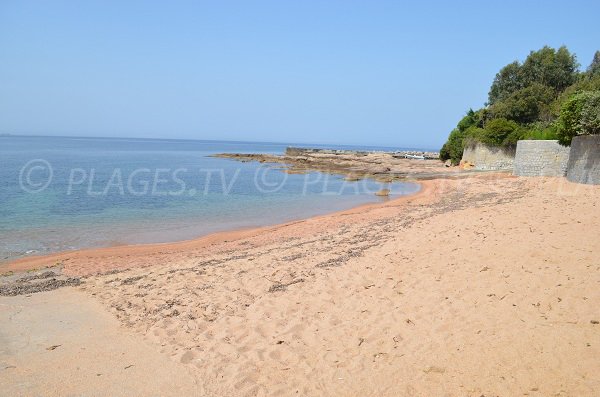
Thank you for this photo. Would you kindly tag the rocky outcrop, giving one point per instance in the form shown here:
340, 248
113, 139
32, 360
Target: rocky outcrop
412, 154
354, 165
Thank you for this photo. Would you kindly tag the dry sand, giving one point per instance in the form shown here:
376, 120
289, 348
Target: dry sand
63, 343
485, 286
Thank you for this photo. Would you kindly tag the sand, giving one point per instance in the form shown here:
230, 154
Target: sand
63, 343
484, 286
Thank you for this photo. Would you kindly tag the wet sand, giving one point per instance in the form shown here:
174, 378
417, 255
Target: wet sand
481, 286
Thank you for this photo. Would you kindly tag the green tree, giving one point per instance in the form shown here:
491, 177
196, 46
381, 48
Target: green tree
453, 148
557, 69
586, 83
533, 100
525, 105
471, 119
594, 68
579, 115
507, 81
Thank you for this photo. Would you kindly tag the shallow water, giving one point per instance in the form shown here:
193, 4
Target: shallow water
60, 193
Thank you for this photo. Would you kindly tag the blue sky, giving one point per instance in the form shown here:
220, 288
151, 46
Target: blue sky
354, 72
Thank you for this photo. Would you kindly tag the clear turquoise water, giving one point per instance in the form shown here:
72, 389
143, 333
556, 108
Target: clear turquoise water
65, 193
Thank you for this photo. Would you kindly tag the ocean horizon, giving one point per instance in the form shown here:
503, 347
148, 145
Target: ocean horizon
66, 193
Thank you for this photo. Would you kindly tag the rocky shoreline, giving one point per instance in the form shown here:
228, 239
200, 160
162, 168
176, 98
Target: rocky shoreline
356, 165
426, 155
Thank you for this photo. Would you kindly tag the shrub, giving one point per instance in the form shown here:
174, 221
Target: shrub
453, 148
496, 131
513, 137
471, 119
585, 83
540, 131
579, 115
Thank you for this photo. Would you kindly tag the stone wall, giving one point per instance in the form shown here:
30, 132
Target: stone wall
484, 157
540, 158
584, 160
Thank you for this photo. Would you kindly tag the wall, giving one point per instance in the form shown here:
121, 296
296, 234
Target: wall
584, 160
540, 158
485, 157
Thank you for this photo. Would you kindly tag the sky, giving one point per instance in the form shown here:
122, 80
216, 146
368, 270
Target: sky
388, 73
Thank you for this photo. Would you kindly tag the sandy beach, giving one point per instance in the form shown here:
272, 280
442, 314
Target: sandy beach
486, 286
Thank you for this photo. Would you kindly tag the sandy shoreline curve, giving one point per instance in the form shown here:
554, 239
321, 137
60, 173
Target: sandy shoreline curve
480, 286
87, 260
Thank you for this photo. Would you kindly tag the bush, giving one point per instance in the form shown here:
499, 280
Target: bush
497, 131
585, 83
579, 115
471, 119
453, 148
540, 131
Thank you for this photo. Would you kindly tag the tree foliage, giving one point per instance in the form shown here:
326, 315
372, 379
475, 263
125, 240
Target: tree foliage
556, 69
507, 81
579, 115
545, 97
471, 119
525, 105
497, 131
453, 148
594, 68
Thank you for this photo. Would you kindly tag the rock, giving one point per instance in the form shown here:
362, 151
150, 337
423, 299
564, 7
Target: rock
384, 179
294, 171
465, 165
448, 163
352, 178
383, 192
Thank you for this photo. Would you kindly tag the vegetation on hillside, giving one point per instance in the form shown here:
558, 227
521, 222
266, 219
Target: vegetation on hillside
545, 97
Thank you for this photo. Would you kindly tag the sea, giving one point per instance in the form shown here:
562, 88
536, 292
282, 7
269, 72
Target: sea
65, 193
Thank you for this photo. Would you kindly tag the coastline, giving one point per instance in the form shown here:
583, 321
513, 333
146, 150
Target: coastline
477, 286
383, 167
135, 253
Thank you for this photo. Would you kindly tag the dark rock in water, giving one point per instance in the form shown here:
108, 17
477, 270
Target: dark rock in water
352, 178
